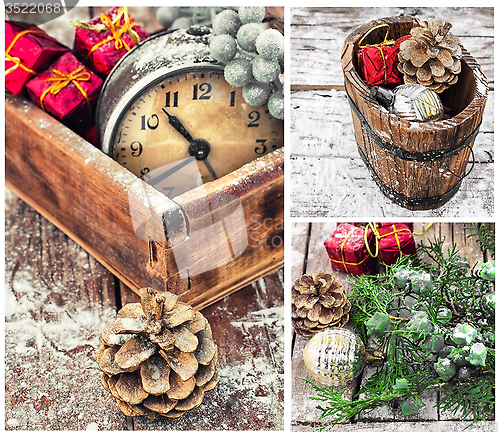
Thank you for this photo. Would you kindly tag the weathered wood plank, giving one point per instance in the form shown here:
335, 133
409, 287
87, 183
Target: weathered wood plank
349, 191
318, 34
328, 177
303, 408
405, 427
299, 240
57, 300
321, 126
313, 259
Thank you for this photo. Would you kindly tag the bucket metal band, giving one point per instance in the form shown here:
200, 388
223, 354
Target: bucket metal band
426, 202
422, 156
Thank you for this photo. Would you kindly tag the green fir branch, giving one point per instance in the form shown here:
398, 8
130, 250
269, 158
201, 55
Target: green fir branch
485, 235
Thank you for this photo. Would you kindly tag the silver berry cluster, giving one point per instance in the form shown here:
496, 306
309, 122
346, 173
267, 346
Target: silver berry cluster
253, 56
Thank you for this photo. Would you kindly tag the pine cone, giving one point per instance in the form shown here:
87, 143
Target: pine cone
158, 357
319, 301
431, 56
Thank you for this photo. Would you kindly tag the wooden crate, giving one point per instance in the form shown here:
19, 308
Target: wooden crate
88, 196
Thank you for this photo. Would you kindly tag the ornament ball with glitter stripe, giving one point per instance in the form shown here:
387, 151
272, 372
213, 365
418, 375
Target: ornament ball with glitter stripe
336, 356
410, 101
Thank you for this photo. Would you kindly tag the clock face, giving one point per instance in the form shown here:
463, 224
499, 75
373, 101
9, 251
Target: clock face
194, 115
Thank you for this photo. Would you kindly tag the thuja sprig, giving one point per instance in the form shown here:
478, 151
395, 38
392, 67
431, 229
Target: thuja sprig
485, 235
472, 399
343, 410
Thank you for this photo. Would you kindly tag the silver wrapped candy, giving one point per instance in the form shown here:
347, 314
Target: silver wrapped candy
411, 101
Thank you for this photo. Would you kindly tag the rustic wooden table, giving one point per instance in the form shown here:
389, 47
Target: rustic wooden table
308, 256
57, 301
328, 178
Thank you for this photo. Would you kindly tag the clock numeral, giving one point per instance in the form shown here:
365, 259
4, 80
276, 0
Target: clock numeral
152, 122
233, 98
254, 116
205, 88
175, 102
144, 174
136, 148
262, 148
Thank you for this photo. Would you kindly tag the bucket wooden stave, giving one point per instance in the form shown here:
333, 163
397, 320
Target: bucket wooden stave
420, 166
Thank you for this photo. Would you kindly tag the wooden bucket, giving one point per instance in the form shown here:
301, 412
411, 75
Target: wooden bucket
417, 165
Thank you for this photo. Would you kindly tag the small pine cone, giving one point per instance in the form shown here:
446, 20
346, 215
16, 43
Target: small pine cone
158, 357
431, 57
319, 301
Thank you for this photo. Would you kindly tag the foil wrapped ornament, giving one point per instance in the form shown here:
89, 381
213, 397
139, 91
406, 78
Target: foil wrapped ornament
411, 101
336, 356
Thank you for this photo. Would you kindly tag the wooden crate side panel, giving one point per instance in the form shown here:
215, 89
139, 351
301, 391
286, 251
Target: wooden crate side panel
76, 187
249, 204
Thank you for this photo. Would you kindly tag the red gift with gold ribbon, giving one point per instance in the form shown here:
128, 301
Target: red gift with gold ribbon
377, 63
409, 225
394, 240
347, 249
104, 40
28, 50
68, 91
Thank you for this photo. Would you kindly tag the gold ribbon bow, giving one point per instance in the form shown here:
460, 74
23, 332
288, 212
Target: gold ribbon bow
117, 30
394, 232
385, 42
61, 80
15, 59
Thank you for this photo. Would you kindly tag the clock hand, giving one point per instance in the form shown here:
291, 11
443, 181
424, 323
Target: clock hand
177, 125
198, 148
210, 169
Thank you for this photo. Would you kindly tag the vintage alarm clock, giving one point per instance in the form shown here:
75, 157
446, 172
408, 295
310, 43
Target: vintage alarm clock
167, 105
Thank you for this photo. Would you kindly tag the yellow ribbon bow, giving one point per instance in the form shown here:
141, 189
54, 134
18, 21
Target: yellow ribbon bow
394, 232
61, 80
343, 261
385, 42
117, 30
15, 59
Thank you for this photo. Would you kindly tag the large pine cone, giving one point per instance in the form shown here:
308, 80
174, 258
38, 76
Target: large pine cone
319, 301
431, 56
158, 357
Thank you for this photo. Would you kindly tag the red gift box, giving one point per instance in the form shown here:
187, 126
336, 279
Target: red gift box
377, 63
68, 91
104, 40
409, 225
394, 241
347, 249
28, 50
90, 135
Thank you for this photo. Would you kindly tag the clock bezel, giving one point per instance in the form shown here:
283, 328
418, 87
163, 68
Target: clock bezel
147, 82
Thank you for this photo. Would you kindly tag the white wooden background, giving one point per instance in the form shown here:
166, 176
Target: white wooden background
327, 176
